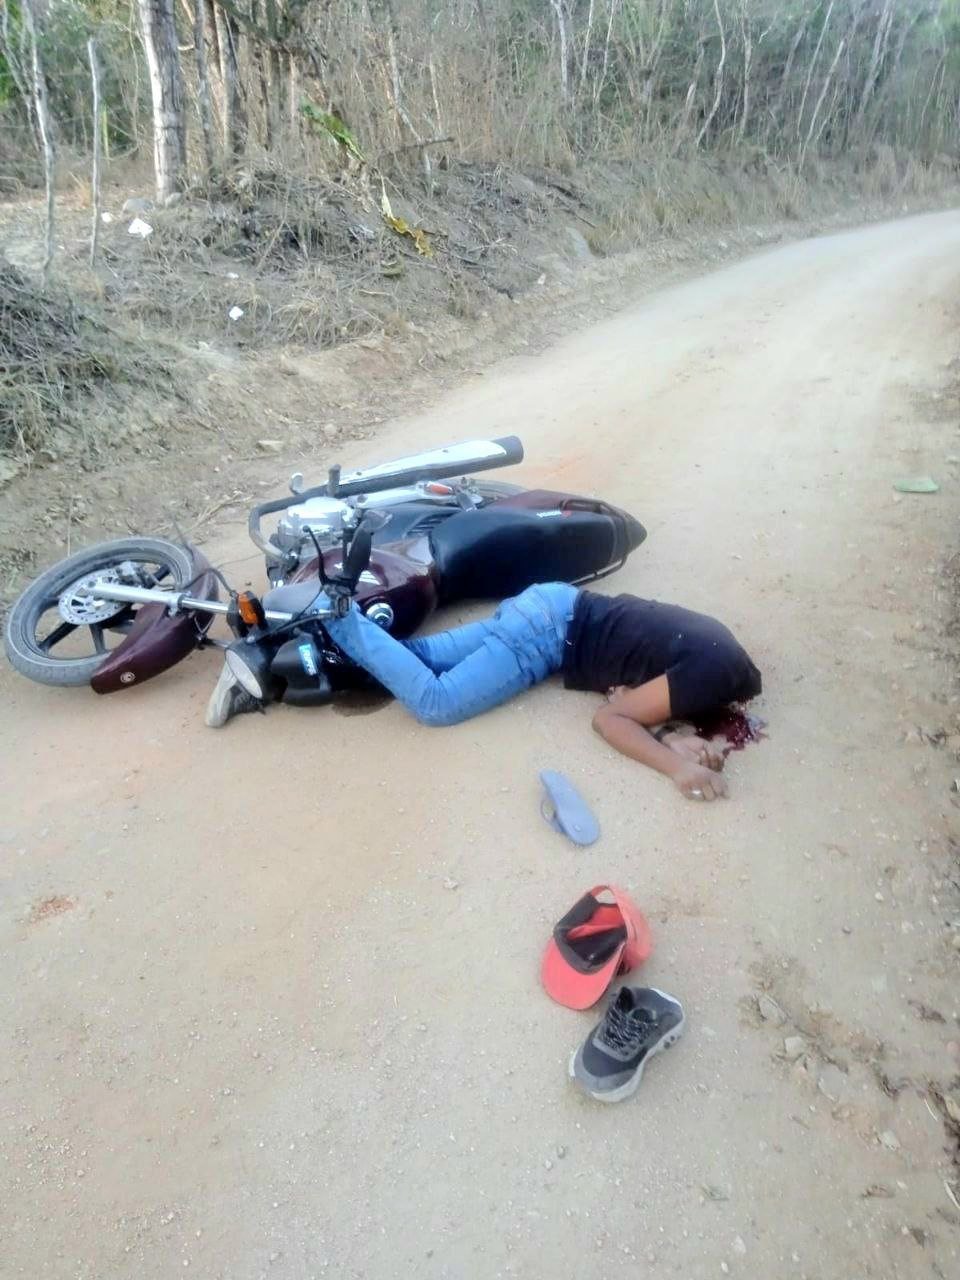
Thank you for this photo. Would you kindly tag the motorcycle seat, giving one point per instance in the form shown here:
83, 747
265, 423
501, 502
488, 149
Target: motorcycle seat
501, 550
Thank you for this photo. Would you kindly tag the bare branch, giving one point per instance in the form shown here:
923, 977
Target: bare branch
718, 78
95, 162
813, 63
42, 110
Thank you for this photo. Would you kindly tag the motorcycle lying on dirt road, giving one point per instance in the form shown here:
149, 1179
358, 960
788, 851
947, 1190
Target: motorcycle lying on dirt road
401, 539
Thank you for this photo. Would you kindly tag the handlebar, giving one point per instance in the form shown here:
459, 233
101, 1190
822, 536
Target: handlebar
176, 600
358, 557
509, 452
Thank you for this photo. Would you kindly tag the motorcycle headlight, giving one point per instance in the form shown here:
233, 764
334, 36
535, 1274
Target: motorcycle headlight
250, 665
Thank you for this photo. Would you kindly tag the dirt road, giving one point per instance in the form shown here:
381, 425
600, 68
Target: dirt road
271, 1003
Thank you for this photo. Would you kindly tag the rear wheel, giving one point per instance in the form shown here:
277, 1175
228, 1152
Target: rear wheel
57, 633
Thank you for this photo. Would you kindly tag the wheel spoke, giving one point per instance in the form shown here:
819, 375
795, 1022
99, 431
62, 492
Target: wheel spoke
102, 618
122, 622
56, 635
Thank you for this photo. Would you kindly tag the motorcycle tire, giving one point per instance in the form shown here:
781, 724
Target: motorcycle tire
20, 634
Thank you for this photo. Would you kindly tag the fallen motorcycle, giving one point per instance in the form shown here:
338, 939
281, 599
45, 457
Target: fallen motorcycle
401, 539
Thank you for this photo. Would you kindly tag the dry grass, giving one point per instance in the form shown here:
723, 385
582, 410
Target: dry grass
309, 261
633, 199
298, 255
55, 355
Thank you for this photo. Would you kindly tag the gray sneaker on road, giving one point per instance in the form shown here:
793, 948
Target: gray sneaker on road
639, 1022
229, 699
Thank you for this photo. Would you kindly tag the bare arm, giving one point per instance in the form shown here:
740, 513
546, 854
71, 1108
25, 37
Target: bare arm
624, 722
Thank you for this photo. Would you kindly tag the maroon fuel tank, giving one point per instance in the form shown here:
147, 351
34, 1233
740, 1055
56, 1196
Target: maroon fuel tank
157, 640
400, 574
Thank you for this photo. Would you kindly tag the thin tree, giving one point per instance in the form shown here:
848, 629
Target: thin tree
601, 80
823, 93
41, 108
234, 118
557, 6
813, 62
718, 79
203, 84
876, 61
746, 36
15, 58
788, 68
585, 60
95, 159
166, 89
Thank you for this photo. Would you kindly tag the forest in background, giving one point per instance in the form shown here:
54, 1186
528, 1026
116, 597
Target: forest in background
316, 171
203, 84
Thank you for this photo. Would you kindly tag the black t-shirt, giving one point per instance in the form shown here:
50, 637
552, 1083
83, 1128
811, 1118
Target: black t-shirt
615, 640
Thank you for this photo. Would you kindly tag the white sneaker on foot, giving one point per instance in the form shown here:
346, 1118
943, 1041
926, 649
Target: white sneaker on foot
229, 699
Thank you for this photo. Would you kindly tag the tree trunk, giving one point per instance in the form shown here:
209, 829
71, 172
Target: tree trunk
893, 76
705, 129
213, 63
823, 93
788, 67
293, 91
691, 96
876, 59
397, 92
585, 61
747, 37
937, 75
203, 85
828, 114
234, 118
557, 6
95, 163
434, 93
261, 62
601, 80
652, 77
39, 87
19, 73
810, 69
278, 88
166, 88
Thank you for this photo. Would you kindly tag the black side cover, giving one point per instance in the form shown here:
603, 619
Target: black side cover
498, 551
412, 520
294, 683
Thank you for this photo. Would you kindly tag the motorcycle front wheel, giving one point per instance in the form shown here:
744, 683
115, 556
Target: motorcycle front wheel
52, 627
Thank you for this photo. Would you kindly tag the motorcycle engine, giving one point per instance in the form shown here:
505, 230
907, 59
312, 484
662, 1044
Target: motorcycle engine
325, 516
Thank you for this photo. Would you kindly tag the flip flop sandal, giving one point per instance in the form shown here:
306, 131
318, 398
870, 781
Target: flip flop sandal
566, 810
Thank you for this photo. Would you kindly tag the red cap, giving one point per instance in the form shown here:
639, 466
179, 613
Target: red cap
593, 943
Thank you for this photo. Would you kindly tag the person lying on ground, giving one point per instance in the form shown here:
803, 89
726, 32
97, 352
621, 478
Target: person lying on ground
656, 663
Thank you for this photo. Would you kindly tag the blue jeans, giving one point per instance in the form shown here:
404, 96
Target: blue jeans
454, 675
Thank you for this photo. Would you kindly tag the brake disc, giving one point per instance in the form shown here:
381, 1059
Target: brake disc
79, 603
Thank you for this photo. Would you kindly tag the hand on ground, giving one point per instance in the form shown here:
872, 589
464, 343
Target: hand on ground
699, 750
697, 782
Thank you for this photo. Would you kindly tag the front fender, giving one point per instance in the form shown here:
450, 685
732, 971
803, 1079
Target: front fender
157, 640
